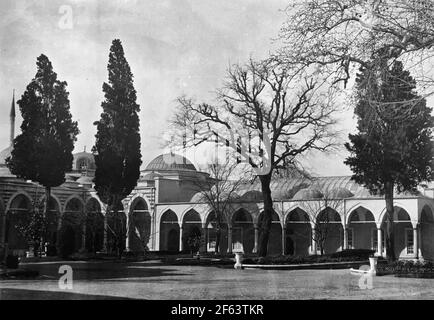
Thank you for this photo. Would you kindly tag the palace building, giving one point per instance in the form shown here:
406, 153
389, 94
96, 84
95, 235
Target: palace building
166, 208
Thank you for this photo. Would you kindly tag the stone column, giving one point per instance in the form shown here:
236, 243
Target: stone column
204, 244
104, 242
3, 230
83, 238
229, 239
283, 240
416, 241
379, 242
255, 248
420, 242
345, 238
181, 246
127, 239
314, 250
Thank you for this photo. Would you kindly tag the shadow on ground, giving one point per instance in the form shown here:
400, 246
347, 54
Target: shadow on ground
25, 294
101, 271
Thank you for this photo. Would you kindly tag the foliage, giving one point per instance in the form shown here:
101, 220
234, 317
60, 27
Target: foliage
43, 150
393, 143
340, 36
393, 148
117, 146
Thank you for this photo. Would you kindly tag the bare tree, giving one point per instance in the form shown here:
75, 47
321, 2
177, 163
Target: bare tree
269, 114
341, 36
323, 214
219, 192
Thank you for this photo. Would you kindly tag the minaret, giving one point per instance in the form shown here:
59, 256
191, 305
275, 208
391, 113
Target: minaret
12, 118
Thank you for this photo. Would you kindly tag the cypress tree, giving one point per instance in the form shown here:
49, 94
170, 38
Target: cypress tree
393, 149
43, 150
117, 146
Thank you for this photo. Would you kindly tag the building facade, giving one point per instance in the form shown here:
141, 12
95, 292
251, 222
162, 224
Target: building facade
165, 210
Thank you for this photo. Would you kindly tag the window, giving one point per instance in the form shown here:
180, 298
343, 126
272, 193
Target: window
350, 235
409, 241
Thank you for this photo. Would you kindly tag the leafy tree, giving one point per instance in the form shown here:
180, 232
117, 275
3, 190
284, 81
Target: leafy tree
43, 150
393, 147
117, 146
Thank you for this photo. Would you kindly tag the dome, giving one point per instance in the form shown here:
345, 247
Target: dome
83, 161
197, 197
4, 154
307, 194
170, 161
341, 193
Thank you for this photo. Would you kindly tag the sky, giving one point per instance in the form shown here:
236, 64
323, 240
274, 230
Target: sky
173, 47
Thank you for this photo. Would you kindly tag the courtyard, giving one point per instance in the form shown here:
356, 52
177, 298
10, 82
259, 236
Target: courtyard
153, 280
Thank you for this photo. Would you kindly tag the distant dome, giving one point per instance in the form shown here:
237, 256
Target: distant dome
197, 197
341, 193
306, 194
4, 154
83, 161
170, 161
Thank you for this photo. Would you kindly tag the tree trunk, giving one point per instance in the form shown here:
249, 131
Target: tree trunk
46, 216
267, 215
390, 237
218, 234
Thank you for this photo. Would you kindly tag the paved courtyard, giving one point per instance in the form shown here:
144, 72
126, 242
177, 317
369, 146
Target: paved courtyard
147, 280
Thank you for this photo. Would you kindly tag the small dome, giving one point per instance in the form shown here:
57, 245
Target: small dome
197, 197
83, 161
85, 180
170, 161
307, 194
252, 195
341, 193
4, 154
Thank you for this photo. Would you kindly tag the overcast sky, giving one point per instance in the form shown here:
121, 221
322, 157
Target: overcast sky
173, 47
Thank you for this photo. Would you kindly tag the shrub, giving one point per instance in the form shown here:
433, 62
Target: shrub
12, 262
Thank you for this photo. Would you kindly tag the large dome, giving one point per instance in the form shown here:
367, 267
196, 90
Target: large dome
170, 161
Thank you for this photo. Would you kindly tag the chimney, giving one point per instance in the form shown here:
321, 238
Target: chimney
12, 119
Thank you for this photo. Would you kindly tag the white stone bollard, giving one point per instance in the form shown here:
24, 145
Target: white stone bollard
238, 260
373, 263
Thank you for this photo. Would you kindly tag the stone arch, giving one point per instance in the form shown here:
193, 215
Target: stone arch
298, 232
426, 222
2, 226
329, 227
116, 229
18, 213
191, 230
169, 231
243, 232
139, 225
53, 218
361, 229
94, 226
403, 231
212, 232
72, 226
275, 237
16, 194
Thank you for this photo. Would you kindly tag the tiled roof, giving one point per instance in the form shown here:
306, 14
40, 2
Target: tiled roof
170, 161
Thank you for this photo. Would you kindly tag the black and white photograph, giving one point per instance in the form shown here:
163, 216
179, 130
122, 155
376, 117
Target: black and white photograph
228, 151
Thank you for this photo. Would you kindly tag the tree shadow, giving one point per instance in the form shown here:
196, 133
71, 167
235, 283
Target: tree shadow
89, 271
26, 294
